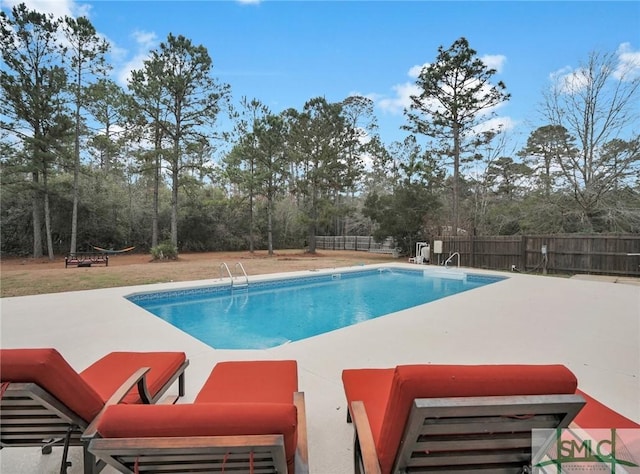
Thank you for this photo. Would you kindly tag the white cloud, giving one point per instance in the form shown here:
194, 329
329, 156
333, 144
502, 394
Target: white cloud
145, 42
494, 61
395, 105
629, 63
58, 8
415, 71
503, 123
249, 2
80, 9
124, 72
570, 81
117, 53
145, 39
401, 99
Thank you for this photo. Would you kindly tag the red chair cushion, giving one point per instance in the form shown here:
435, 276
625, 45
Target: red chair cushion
110, 372
48, 369
434, 381
265, 381
597, 415
372, 387
203, 419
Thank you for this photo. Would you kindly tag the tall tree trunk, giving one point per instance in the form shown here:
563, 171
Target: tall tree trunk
76, 173
174, 194
270, 225
37, 224
47, 217
251, 223
313, 224
156, 184
455, 221
312, 237
74, 214
154, 215
175, 170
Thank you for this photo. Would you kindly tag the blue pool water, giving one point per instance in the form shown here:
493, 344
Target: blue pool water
272, 313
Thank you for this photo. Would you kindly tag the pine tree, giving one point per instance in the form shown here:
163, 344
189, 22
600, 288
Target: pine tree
456, 95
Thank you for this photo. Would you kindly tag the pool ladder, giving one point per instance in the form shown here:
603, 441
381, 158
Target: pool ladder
235, 284
454, 254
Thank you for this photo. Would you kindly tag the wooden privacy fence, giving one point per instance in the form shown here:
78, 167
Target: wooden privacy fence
597, 253
605, 254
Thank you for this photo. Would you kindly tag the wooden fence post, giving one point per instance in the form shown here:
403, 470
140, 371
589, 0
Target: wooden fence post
472, 257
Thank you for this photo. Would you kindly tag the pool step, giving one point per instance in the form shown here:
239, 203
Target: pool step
449, 274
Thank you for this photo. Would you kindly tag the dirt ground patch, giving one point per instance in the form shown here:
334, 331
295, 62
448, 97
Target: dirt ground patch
27, 276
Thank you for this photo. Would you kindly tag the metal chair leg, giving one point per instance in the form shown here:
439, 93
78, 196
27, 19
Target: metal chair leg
181, 385
67, 439
49, 444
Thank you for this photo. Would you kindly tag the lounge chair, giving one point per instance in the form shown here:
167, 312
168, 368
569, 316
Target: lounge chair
248, 418
455, 419
45, 402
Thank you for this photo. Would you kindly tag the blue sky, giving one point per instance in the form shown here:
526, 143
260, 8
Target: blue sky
287, 52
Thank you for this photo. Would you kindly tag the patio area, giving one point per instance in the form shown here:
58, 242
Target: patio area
592, 327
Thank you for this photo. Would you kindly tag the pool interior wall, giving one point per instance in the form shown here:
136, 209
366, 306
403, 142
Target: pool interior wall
282, 280
270, 313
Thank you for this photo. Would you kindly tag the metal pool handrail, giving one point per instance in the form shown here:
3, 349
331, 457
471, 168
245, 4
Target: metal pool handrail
246, 278
451, 258
223, 266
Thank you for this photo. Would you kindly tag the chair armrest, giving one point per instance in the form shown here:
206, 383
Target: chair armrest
178, 374
364, 444
302, 449
138, 377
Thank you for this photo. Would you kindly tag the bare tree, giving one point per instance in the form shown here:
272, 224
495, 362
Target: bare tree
595, 103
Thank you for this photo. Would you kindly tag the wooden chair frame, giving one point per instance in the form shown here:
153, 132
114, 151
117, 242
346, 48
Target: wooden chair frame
31, 416
251, 454
464, 434
146, 397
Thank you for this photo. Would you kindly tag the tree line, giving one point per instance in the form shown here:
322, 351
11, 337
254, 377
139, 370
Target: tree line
170, 159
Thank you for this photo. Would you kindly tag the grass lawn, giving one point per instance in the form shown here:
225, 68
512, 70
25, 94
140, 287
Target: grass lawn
27, 276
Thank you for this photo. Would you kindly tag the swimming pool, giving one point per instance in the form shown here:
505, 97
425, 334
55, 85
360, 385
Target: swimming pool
274, 312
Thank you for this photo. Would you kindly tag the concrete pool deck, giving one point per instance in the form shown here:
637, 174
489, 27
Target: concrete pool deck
592, 327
